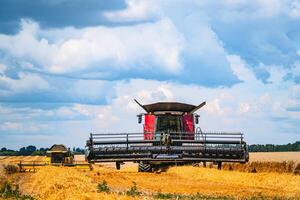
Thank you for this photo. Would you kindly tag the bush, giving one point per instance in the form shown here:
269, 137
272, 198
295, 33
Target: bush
163, 196
8, 192
10, 169
103, 187
133, 190
189, 197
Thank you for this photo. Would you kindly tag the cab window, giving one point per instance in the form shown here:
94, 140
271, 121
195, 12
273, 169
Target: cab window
168, 123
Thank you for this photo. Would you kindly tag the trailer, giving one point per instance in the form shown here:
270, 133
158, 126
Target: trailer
170, 136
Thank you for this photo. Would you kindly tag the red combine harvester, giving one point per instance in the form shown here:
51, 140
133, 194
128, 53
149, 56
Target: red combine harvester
169, 137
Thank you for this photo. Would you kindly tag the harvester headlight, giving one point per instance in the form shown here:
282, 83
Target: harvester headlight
139, 118
197, 119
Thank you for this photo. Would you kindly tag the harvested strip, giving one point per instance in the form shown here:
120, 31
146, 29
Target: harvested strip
54, 183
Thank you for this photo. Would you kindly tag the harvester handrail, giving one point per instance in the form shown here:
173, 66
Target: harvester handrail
114, 142
173, 135
101, 134
128, 139
141, 133
222, 133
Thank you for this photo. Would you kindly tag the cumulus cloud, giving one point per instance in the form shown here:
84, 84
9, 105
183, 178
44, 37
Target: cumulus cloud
2, 68
23, 83
295, 9
256, 9
250, 106
258, 31
161, 49
19, 127
239, 56
240, 68
137, 47
136, 10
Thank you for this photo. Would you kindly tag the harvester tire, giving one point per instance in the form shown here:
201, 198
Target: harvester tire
145, 167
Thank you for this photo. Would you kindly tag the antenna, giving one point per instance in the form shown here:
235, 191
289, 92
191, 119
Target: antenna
197, 107
140, 105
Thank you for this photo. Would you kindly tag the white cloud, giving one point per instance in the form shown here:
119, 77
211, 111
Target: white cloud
296, 69
295, 9
2, 68
213, 107
156, 44
227, 10
244, 108
101, 117
240, 68
167, 34
64, 112
27, 45
250, 106
268, 8
32, 114
90, 90
136, 10
276, 73
20, 127
25, 82
243, 9
10, 126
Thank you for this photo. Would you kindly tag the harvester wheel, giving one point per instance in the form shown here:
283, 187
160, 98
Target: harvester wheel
145, 167
118, 165
219, 165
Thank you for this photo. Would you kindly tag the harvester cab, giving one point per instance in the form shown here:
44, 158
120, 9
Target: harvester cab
169, 137
169, 120
59, 154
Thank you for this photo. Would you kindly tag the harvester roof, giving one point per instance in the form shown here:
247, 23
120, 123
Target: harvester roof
58, 148
171, 106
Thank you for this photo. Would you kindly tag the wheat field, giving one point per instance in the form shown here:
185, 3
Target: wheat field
184, 181
275, 157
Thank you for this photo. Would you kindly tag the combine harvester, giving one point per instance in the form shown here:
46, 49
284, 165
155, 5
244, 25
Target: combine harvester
57, 155
169, 137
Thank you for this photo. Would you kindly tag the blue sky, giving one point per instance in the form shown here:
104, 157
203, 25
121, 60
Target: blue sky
68, 68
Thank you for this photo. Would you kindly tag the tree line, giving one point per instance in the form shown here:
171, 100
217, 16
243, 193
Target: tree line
274, 148
32, 151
